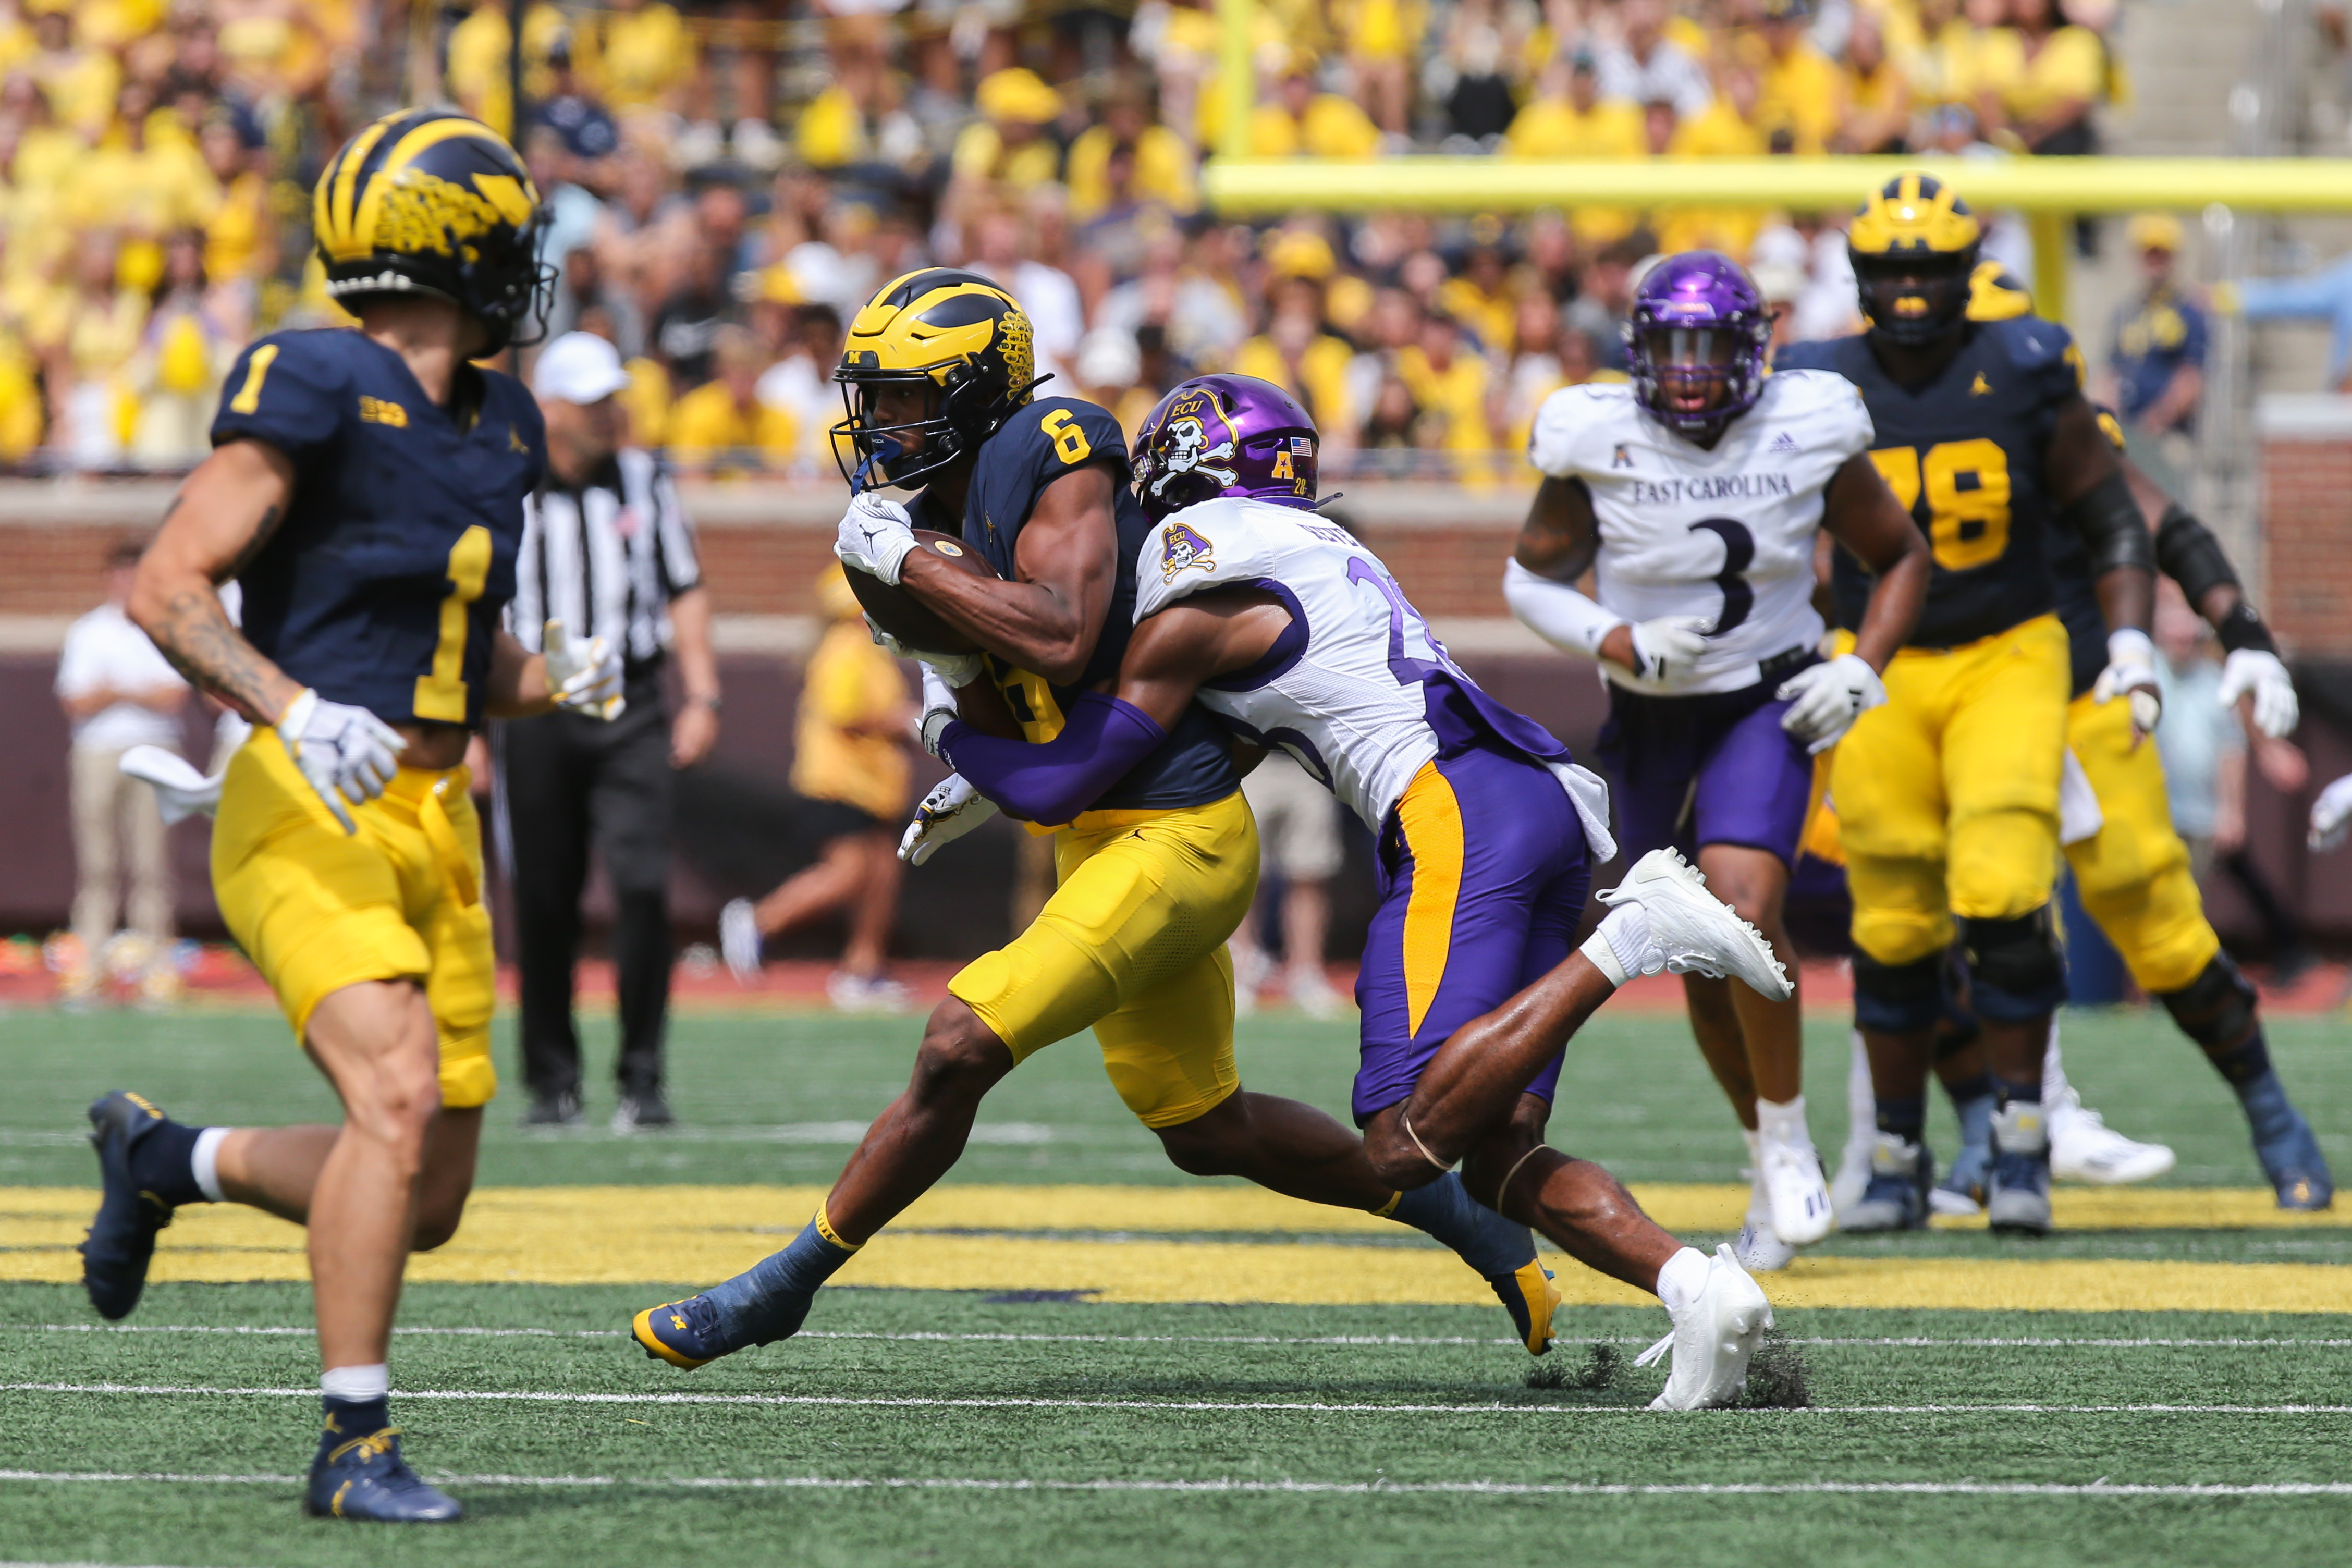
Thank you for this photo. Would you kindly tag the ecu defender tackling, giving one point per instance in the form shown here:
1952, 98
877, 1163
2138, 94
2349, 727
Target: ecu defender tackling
366, 489
1694, 495
1250, 607
1154, 873
1947, 796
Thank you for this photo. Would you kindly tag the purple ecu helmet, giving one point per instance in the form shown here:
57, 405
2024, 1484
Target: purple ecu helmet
1695, 341
1225, 436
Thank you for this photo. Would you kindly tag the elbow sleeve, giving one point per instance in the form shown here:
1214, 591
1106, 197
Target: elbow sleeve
1102, 739
2186, 551
2109, 520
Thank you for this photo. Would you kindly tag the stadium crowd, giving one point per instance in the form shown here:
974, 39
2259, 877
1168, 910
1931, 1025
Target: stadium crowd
728, 184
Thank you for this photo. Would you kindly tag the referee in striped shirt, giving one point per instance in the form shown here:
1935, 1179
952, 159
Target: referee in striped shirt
607, 551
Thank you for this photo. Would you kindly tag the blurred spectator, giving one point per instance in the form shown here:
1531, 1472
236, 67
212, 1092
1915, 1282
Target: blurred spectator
2204, 749
1800, 89
606, 551
1381, 38
636, 54
850, 767
582, 287
478, 47
1005, 252
689, 320
1159, 164
2321, 296
1876, 92
1302, 122
2159, 358
1567, 118
119, 692
2040, 78
724, 424
1298, 840
1008, 144
1647, 67
184, 355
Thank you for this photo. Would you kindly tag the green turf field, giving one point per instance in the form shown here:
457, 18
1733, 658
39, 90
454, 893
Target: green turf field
971, 1427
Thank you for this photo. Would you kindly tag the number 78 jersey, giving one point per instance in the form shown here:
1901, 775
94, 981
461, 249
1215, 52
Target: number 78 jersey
1727, 534
1356, 688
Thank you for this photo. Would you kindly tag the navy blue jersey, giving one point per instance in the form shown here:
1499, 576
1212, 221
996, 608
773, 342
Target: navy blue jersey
385, 583
1044, 439
1965, 454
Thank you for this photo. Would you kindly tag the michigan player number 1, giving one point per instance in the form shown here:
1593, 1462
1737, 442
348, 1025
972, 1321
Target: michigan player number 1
1966, 486
442, 694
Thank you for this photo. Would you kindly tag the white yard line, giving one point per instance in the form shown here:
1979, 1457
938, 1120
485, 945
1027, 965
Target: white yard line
1904, 1341
2100, 1488
991, 1401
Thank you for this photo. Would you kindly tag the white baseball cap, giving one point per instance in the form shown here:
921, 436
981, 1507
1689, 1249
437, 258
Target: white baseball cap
578, 367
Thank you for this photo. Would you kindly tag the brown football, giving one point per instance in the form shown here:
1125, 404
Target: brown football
903, 616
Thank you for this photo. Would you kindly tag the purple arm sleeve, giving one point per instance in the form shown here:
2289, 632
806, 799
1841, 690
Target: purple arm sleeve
1101, 740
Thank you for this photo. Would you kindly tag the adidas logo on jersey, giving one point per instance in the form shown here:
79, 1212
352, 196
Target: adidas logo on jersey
1783, 442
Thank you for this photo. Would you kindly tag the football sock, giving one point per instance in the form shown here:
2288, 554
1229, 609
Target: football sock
1621, 947
767, 1301
1760, 1202
353, 1384
163, 1163
2011, 1092
204, 1162
356, 1402
1904, 1116
2269, 1113
1973, 1102
1782, 1123
1682, 1278
1486, 1240
2242, 1063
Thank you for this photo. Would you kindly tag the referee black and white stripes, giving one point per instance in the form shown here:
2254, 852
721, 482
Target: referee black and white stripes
607, 559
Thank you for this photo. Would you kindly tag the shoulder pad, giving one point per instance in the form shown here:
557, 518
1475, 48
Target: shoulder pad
1212, 542
1816, 354
2042, 349
1834, 416
1060, 432
1575, 426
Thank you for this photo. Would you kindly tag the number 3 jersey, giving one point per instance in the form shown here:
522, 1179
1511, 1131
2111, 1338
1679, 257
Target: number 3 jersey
1964, 454
1356, 687
382, 585
1725, 534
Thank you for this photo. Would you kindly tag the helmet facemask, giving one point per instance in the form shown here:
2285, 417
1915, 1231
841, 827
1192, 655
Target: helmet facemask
1913, 297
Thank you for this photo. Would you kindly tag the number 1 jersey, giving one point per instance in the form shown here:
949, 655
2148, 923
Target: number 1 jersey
1964, 455
382, 585
1725, 534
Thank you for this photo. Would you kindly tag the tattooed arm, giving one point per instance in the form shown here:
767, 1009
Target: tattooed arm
222, 517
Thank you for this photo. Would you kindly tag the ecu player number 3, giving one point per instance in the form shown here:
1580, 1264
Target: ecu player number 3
367, 491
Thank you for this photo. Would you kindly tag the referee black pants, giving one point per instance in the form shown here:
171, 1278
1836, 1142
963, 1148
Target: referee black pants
569, 781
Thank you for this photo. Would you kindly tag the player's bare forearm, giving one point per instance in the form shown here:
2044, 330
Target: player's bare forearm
2126, 598
1560, 537
1862, 514
982, 706
1049, 618
222, 517
1202, 636
517, 687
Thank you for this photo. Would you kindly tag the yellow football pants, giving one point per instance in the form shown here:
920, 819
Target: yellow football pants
2133, 874
316, 909
1133, 943
1946, 796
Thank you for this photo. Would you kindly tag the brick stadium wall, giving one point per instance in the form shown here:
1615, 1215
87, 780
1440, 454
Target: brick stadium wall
2306, 469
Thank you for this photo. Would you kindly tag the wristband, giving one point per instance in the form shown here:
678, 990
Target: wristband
2242, 629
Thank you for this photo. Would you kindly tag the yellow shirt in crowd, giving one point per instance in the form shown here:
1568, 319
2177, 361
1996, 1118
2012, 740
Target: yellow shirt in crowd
1163, 170
2072, 66
637, 57
706, 426
851, 683
1321, 379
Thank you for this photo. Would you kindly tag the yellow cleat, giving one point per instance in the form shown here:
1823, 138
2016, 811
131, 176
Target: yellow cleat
1530, 1297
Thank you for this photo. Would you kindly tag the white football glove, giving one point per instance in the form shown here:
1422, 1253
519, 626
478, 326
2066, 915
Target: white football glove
2131, 674
1665, 649
939, 709
180, 790
875, 536
2276, 711
584, 672
347, 753
1828, 698
955, 669
2331, 814
946, 813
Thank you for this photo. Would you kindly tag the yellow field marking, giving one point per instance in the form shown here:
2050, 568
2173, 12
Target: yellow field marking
688, 1235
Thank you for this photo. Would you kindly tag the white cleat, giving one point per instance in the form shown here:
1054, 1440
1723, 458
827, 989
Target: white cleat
739, 940
1759, 1251
1798, 1196
1714, 1339
1692, 931
2083, 1148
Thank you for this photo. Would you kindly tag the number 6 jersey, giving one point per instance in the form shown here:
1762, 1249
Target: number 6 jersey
1356, 687
1725, 534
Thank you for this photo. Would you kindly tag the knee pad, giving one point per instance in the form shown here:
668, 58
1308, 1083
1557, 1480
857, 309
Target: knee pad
2016, 971
2217, 1008
1897, 998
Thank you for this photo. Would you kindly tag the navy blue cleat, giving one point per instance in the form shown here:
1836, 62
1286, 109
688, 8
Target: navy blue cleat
364, 1478
1896, 1198
2297, 1170
122, 1239
2017, 1184
686, 1334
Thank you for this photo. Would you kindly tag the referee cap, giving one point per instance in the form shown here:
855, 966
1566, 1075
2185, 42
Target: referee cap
578, 367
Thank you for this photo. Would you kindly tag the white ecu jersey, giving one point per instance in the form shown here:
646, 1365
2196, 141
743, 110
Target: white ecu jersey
1727, 534
1341, 690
